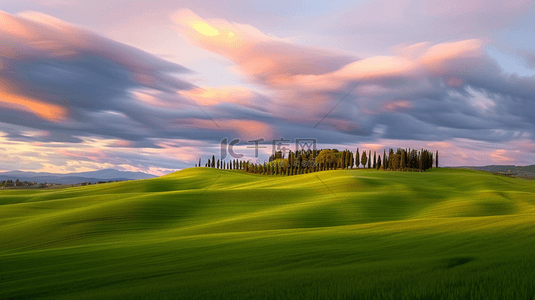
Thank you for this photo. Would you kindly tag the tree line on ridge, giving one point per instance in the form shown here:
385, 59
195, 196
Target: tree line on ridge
303, 162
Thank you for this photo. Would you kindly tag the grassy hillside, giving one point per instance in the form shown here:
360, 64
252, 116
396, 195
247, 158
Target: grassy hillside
220, 234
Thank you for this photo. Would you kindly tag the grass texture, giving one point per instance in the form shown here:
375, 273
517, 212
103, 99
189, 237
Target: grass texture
221, 234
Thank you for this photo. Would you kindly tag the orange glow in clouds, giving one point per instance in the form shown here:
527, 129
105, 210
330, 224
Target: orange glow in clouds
398, 105
215, 95
50, 112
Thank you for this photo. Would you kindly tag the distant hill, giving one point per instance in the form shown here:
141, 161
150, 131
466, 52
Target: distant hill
519, 170
70, 178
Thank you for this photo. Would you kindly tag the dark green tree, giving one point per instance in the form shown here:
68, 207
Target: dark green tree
364, 159
420, 161
378, 162
403, 161
394, 161
384, 160
326, 157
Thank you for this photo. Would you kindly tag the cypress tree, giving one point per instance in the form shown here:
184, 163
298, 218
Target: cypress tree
384, 160
213, 161
370, 160
403, 162
218, 163
420, 162
374, 159
409, 157
290, 158
364, 159
357, 159
436, 160
378, 162
199, 162
390, 156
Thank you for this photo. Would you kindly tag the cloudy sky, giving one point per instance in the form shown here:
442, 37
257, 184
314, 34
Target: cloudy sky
153, 86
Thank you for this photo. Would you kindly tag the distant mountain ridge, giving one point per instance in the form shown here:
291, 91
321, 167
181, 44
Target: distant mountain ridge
70, 178
519, 170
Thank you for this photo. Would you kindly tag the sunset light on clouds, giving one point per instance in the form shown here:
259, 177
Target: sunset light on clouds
153, 86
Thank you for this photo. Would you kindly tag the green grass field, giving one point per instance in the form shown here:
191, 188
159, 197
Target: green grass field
219, 234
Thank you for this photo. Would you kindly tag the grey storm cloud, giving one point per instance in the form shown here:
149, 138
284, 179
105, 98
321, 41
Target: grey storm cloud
95, 79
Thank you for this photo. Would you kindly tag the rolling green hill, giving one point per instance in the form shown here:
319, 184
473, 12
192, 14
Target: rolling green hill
222, 234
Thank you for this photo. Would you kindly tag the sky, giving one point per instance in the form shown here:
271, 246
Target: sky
152, 86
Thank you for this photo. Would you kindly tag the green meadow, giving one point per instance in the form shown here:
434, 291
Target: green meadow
223, 234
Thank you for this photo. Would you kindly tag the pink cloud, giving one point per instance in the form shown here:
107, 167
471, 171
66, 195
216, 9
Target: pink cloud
444, 145
441, 58
172, 149
501, 156
31, 35
121, 144
93, 154
304, 85
265, 58
524, 145
245, 129
454, 81
373, 147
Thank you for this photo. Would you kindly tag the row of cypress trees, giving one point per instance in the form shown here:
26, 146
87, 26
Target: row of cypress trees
302, 162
